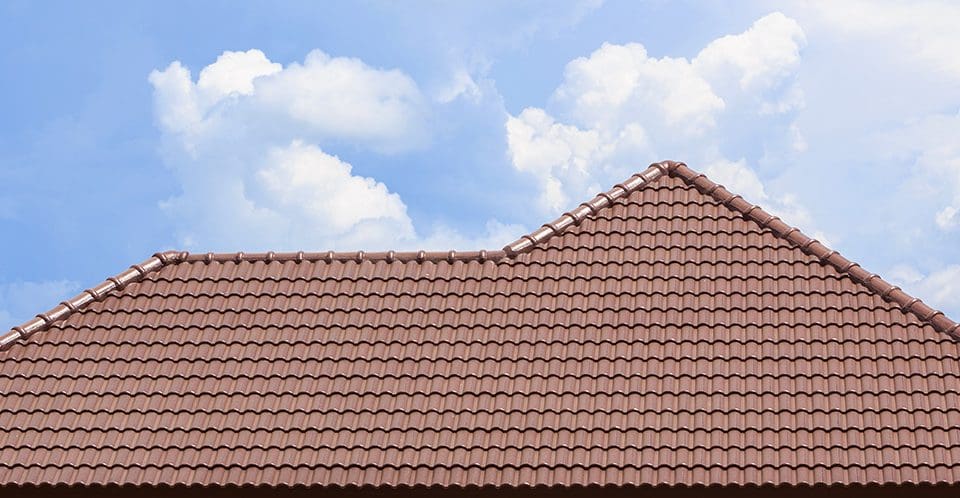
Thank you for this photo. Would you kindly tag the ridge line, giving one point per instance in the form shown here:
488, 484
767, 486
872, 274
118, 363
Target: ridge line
68, 307
135, 272
736, 203
808, 245
340, 256
576, 215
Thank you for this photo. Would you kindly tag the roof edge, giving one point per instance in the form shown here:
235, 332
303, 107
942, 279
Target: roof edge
42, 321
70, 306
576, 215
817, 249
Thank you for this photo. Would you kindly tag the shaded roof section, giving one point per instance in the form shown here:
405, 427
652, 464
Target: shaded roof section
665, 332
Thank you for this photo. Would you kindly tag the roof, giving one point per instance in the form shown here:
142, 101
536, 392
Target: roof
666, 332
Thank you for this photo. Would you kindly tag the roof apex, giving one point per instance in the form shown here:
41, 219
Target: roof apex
753, 212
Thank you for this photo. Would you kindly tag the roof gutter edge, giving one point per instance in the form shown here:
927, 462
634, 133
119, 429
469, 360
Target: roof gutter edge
70, 306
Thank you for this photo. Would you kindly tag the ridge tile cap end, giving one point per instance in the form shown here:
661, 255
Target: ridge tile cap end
8, 338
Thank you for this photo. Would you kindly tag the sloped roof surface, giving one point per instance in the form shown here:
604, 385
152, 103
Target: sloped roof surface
661, 335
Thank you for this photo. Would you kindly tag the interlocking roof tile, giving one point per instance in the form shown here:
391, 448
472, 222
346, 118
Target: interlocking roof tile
665, 332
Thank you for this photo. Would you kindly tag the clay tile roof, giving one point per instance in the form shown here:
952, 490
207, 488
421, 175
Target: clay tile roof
666, 332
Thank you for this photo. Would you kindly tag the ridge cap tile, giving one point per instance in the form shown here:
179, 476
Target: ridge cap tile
589, 208
68, 307
808, 245
42, 321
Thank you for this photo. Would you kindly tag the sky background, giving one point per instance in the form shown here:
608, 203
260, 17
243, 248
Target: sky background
218, 126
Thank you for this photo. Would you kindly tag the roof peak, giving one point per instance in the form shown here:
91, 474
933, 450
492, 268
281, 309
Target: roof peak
753, 212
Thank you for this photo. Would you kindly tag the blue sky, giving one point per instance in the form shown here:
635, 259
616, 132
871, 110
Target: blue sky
210, 126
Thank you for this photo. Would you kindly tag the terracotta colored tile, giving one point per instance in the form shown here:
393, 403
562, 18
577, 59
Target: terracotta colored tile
668, 338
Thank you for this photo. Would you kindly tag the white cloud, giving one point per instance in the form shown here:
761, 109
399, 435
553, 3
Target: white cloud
311, 188
323, 99
550, 150
761, 58
247, 141
234, 72
345, 98
20, 301
915, 30
947, 218
620, 84
932, 144
620, 108
176, 104
940, 288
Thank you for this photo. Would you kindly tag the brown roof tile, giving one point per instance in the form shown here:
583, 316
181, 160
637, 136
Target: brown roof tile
664, 332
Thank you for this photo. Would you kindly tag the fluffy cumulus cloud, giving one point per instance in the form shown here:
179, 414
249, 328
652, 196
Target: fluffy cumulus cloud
621, 106
324, 98
249, 142
302, 176
758, 64
619, 83
551, 151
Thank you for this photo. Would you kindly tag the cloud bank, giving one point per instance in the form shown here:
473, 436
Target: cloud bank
247, 140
